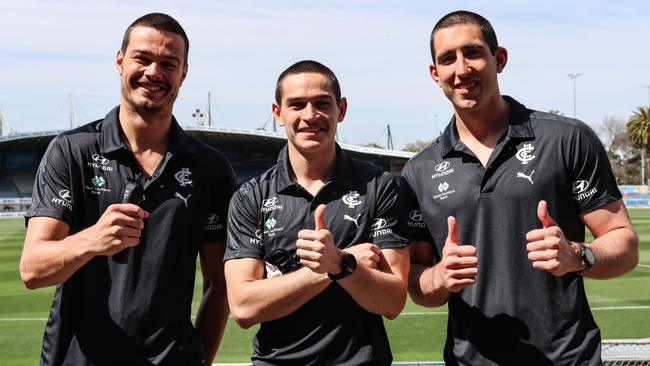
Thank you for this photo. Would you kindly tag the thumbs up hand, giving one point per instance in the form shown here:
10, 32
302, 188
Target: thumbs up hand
458, 266
316, 248
548, 249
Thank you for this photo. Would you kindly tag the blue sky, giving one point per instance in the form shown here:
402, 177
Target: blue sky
378, 49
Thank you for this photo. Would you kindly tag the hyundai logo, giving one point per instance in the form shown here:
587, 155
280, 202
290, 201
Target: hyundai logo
442, 166
100, 159
415, 215
212, 219
378, 224
579, 186
270, 202
65, 194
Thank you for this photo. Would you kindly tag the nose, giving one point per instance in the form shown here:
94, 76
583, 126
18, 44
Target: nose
310, 113
153, 71
462, 67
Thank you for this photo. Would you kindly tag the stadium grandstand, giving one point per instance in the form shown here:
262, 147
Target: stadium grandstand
251, 152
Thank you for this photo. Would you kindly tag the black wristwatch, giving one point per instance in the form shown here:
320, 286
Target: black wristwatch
348, 266
587, 256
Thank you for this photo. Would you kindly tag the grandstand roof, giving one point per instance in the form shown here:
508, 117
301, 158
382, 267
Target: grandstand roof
227, 137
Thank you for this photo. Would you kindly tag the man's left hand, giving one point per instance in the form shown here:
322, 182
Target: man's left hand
316, 248
548, 249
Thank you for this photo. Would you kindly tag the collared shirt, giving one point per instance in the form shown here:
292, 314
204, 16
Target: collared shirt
514, 314
136, 313
264, 218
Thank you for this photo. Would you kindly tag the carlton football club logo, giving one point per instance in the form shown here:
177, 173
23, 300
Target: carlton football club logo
351, 199
183, 177
525, 153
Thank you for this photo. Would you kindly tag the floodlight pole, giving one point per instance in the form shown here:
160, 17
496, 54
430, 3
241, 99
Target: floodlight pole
574, 77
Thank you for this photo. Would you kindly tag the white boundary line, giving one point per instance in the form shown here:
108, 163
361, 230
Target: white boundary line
408, 313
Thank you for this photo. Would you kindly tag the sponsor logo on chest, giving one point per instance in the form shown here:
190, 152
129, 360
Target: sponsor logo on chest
270, 229
444, 191
99, 162
97, 185
442, 169
271, 204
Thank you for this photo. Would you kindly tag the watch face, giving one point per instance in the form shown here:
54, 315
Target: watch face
589, 257
350, 262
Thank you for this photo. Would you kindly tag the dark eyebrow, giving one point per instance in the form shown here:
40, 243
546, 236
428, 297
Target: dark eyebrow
473, 46
317, 98
167, 56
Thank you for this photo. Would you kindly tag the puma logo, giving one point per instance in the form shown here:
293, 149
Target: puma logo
353, 219
178, 195
529, 177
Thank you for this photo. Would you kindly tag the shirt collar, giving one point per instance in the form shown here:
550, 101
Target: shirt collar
112, 140
343, 175
519, 126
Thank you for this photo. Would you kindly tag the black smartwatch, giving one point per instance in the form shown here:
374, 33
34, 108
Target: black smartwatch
348, 266
587, 256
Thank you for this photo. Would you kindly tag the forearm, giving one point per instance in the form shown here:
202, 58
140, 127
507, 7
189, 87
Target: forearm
423, 288
267, 299
616, 252
365, 284
211, 320
51, 262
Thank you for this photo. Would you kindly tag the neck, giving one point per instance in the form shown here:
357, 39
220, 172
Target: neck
145, 132
311, 170
486, 125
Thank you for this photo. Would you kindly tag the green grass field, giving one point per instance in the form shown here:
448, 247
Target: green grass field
621, 307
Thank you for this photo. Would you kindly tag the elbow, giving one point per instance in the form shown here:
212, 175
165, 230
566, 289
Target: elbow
30, 278
397, 306
245, 318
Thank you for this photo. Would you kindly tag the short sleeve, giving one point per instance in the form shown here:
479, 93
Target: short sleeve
214, 229
410, 214
385, 231
592, 181
53, 195
245, 239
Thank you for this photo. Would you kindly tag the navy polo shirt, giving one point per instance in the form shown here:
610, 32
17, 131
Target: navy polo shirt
264, 219
514, 314
136, 313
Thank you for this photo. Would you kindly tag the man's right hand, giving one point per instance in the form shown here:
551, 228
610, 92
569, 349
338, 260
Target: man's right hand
119, 227
366, 254
458, 266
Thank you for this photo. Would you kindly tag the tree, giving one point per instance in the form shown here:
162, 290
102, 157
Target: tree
556, 111
638, 129
623, 157
416, 146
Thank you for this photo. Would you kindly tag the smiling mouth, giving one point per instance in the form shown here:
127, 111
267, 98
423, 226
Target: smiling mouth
313, 129
150, 88
466, 87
